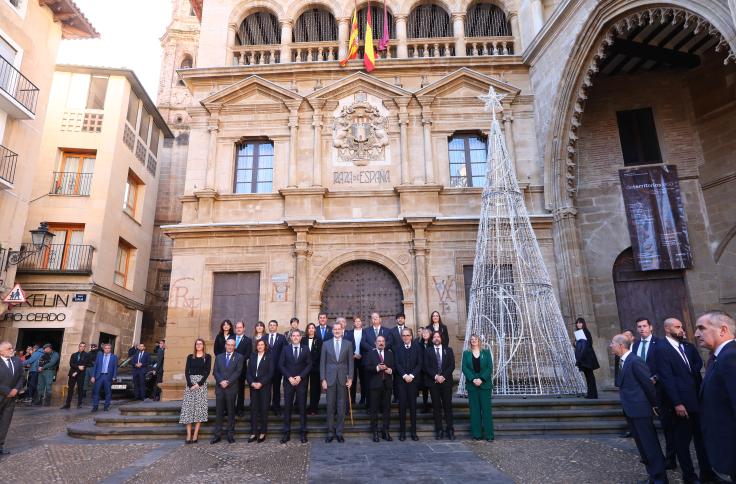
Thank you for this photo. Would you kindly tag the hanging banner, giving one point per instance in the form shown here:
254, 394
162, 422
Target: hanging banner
657, 223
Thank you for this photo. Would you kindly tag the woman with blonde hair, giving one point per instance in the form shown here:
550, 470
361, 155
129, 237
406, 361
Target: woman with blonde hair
478, 372
194, 407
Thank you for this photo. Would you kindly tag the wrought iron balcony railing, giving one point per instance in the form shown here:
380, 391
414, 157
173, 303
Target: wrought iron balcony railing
8, 160
58, 258
71, 183
17, 85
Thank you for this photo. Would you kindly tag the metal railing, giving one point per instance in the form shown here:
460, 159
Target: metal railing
59, 258
17, 85
8, 160
71, 183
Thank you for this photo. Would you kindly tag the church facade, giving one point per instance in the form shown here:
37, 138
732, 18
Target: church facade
298, 186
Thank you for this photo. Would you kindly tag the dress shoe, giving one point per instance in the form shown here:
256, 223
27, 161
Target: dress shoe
414, 437
386, 436
376, 438
262, 439
451, 434
215, 440
329, 438
340, 439
195, 441
4, 452
286, 437
230, 439
252, 439
304, 439
402, 436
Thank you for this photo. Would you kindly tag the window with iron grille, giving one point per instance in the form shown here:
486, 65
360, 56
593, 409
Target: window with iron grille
486, 20
260, 28
376, 22
315, 25
428, 21
468, 154
254, 166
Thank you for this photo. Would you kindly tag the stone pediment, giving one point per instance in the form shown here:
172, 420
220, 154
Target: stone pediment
359, 81
466, 83
251, 91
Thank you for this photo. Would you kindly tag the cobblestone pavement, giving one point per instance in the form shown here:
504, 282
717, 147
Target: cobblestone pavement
40, 447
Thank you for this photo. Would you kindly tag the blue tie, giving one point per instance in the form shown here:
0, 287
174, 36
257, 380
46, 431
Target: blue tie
107, 361
227, 360
323, 332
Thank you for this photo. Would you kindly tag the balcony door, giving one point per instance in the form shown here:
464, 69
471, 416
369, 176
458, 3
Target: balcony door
75, 174
65, 252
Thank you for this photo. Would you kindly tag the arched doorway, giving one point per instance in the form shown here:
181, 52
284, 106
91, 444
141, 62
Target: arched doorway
651, 294
360, 288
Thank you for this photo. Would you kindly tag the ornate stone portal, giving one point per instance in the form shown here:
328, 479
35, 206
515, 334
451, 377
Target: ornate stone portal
359, 132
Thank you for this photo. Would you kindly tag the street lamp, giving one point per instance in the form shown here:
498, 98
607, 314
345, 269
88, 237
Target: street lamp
40, 238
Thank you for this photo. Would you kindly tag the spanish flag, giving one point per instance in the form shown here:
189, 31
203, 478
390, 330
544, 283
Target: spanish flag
369, 55
353, 44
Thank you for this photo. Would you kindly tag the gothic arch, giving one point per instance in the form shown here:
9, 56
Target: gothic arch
597, 33
243, 9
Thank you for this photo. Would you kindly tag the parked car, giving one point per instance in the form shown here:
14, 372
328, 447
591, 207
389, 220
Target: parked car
123, 383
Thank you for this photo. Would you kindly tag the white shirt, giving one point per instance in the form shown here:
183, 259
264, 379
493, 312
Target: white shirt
358, 335
296, 348
258, 361
310, 341
720, 347
9, 363
676, 345
649, 345
623, 357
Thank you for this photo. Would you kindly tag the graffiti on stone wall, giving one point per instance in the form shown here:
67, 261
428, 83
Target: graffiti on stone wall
445, 287
180, 297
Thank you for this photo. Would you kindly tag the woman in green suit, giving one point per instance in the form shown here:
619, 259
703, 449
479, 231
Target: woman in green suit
478, 371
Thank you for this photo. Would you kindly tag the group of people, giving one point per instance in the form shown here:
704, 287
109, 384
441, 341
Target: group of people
661, 377
332, 360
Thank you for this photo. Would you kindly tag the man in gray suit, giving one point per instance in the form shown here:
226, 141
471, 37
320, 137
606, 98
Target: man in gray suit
336, 372
228, 366
11, 382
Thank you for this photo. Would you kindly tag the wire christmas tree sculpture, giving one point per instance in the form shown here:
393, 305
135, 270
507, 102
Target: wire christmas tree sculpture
512, 305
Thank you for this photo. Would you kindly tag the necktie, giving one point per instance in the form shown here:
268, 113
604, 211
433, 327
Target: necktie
227, 360
439, 359
684, 356
237, 341
107, 361
9, 363
380, 357
376, 331
643, 350
296, 352
337, 348
270, 342
140, 354
322, 329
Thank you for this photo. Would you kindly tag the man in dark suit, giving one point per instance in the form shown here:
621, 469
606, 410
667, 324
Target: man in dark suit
380, 363
336, 370
106, 369
355, 336
408, 370
324, 332
243, 346
396, 340
678, 367
295, 364
439, 363
78, 364
715, 331
11, 382
160, 355
228, 368
639, 401
140, 361
376, 330
276, 342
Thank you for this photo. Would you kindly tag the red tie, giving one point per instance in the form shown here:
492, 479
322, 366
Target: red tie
383, 373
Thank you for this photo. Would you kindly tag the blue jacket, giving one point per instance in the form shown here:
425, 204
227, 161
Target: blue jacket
718, 411
145, 361
112, 367
33, 360
680, 383
369, 338
636, 390
651, 360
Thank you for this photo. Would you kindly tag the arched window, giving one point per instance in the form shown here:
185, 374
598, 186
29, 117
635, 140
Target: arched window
186, 62
260, 28
315, 25
254, 166
486, 20
429, 20
468, 153
376, 22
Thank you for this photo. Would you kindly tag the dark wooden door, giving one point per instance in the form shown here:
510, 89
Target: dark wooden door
655, 295
361, 288
235, 297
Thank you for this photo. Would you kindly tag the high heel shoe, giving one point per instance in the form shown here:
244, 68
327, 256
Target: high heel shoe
193, 441
252, 439
187, 441
262, 438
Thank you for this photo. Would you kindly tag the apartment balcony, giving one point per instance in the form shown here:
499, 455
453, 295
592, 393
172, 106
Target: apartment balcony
18, 95
58, 259
8, 160
71, 183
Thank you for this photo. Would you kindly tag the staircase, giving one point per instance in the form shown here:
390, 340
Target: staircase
511, 416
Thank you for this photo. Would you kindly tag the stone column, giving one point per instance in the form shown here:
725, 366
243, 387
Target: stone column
301, 271
403, 103
402, 51
508, 121
232, 29
513, 18
293, 138
458, 29
213, 127
426, 102
317, 105
537, 15
285, 41
343, 36
420, 250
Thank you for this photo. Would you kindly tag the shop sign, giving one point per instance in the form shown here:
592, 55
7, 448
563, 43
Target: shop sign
40, 317
79, 298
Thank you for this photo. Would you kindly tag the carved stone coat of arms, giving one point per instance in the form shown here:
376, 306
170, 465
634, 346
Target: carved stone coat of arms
359, 133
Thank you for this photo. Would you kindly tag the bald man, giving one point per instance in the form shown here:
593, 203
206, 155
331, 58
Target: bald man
11, 382
715, 331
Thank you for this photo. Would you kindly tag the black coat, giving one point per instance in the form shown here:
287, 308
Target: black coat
372, 360
315, 353
220, 342
680, 383
409, 362
430, 364
244, 348
74, 365
636, 390
290, 367
424, 380
265, 371
584, 353
10, 381
444, 334
651, 360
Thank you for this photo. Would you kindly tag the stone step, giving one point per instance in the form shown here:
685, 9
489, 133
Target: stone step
424, 430
363, 416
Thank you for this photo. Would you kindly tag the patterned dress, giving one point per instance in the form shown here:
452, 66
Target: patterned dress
194, 407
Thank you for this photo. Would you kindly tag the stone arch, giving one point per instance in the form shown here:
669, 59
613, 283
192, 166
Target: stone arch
347, 10
598, 32
730, 235
295, 9
243, 9
318, 281
443, 9
464, 5
406, 7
